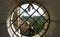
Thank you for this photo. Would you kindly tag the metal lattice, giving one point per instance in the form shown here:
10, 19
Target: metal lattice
29, 24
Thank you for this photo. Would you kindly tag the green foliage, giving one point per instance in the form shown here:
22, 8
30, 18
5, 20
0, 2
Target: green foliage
38, 26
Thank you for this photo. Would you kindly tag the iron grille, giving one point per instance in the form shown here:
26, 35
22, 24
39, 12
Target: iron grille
30, 24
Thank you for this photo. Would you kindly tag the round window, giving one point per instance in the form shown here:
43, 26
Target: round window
29, 19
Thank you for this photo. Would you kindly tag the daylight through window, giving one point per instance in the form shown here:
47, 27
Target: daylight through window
29, 19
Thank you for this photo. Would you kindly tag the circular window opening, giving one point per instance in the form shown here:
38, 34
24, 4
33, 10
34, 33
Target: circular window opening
29, 19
